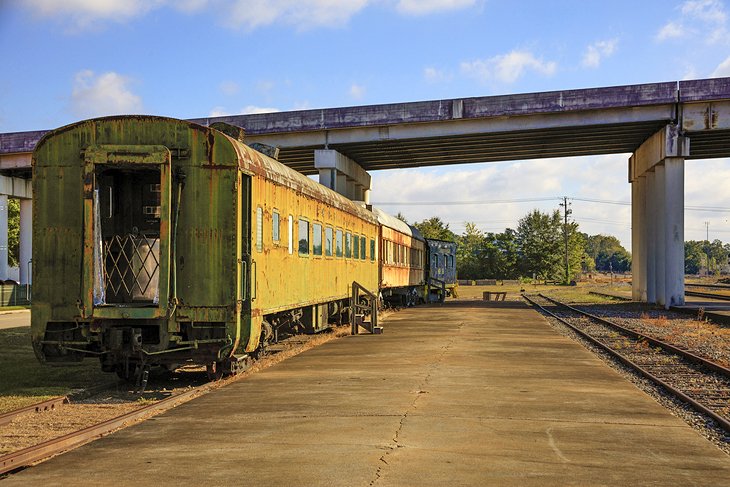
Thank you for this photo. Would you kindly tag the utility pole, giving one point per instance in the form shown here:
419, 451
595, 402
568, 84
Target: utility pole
707, 238
566, 211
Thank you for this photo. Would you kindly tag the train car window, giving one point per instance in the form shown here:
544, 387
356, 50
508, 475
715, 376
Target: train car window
372, 249
348, 245
317, 239
362, 247
328, 242
338, 244
275, 226
303, 237
291, 234
259, 228
356, 246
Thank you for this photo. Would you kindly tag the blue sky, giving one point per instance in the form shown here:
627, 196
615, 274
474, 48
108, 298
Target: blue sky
65, 60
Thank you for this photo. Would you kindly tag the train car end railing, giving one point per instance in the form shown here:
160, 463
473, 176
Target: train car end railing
358, 310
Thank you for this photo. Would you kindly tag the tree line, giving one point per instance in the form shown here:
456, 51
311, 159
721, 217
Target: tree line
538, 248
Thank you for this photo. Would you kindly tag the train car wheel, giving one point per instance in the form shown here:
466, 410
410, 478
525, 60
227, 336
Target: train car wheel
214, 370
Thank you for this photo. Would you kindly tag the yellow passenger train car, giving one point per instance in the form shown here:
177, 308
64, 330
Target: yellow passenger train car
159, 242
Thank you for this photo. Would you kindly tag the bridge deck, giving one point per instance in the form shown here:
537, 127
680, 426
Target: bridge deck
470, 393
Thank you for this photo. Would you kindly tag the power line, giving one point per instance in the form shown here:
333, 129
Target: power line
717, 209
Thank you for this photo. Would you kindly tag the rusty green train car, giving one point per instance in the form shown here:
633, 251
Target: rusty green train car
160, 242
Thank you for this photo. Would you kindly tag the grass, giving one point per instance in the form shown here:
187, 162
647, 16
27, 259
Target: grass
24, 381
574, 294
13, 308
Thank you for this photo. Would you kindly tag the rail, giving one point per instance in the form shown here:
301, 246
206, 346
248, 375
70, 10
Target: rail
356, 306
685, 395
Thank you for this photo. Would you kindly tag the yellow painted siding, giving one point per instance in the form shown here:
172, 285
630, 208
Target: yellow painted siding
287, 280
402, 259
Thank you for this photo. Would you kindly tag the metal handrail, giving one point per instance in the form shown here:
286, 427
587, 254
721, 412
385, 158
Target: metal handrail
355, 306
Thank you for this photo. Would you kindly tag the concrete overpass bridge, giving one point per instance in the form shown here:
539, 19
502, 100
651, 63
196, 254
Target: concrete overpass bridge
660, 124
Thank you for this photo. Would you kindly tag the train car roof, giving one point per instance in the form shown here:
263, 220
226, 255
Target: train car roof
277, 172
249, 160
396, 224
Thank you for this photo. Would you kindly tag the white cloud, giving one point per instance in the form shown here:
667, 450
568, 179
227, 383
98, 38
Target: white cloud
434, 75
252, 109
84, 13
706, 18
219, 112
597, 51
671, 30
508, 68
711, 11
357, 91
423, 7
598, 177
722, 70
304, 14
246, 14
105, 94
229, 87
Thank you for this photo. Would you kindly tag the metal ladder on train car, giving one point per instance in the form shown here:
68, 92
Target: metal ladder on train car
363, 305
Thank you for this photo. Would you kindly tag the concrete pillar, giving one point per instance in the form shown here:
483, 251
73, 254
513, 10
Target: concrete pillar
26, 239
341, 174
650, 236
638, 239
660, 254
4, 236
674, 231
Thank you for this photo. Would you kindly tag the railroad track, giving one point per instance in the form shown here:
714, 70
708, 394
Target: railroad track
699, 382
722, 297
34, 454
709, 286
28, 456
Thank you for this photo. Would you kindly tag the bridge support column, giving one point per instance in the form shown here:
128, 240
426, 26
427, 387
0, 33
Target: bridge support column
343, 175
638, 240
26, 240
4, 267
656, 173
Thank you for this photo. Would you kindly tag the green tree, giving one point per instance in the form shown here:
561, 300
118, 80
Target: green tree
435, 228
694, 257
401, 217
13, 231
540, 239
607, 253
469, 253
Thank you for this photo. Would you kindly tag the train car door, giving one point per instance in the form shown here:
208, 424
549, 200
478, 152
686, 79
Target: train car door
243, 250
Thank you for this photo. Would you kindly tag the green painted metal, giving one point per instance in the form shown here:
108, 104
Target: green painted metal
199, 181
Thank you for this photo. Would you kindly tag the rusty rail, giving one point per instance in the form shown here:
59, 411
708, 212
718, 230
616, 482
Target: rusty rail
27, 456
47, 405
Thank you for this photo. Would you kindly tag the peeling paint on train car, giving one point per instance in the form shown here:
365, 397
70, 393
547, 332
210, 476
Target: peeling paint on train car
154, 242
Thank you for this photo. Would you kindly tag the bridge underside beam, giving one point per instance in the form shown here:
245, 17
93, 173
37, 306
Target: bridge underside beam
343, 175
656, 174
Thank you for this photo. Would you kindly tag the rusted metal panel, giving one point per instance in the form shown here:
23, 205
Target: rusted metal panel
402, 259
205, 166
288, 280
699, 117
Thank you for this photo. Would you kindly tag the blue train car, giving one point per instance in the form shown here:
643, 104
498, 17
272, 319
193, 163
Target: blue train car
441, 269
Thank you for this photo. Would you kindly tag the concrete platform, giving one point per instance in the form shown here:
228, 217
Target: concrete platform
468, 393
